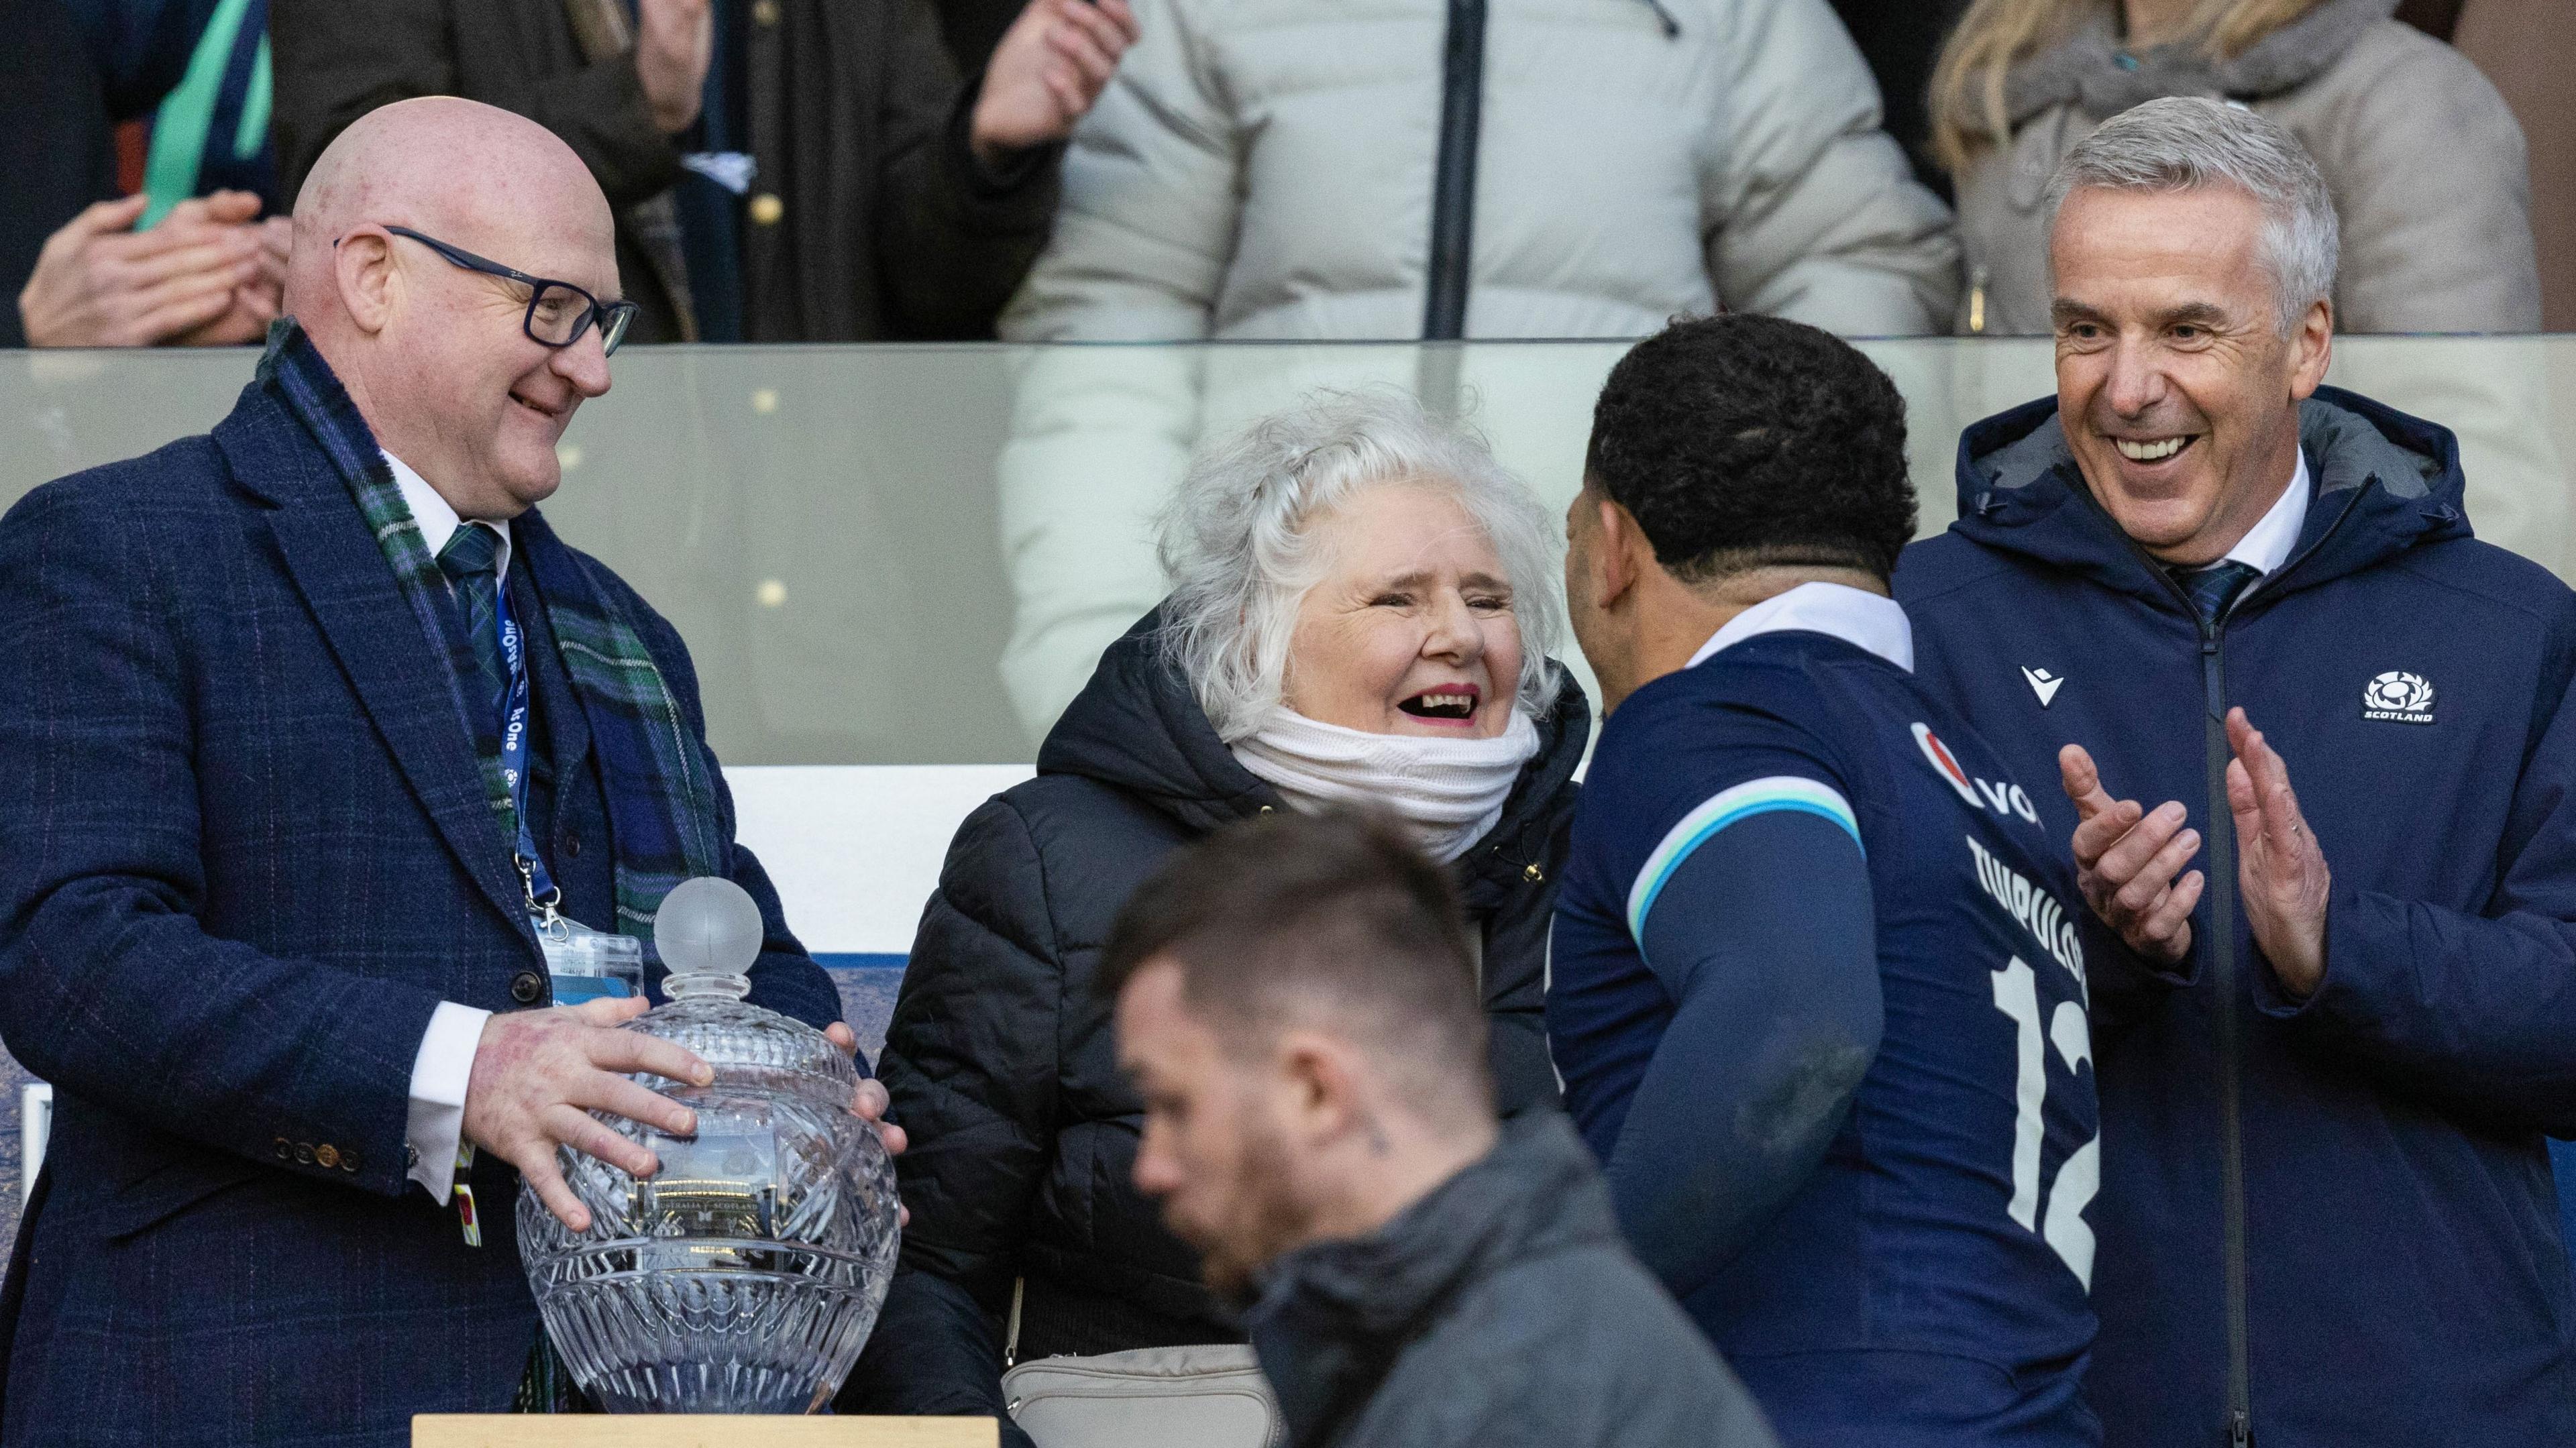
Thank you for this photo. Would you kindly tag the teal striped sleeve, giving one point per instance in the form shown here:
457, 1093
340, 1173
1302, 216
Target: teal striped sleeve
1743, 801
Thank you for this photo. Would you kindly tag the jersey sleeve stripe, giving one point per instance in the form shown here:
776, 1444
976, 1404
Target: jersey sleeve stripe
1727, 806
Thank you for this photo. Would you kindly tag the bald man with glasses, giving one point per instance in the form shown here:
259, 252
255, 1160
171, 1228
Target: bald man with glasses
315, 741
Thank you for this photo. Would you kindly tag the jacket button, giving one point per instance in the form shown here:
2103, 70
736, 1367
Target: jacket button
571, 845
1533, 874
283, 1148
348, 1161
764, 12
767, 209
303, 1153
326, 1156
1265, 809
526, 988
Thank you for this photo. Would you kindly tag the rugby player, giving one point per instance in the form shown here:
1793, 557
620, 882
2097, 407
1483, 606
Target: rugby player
1818, 991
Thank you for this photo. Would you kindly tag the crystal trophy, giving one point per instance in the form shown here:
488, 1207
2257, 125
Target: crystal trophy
743, 1276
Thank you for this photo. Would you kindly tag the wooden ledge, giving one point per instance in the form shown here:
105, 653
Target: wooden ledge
582, 1430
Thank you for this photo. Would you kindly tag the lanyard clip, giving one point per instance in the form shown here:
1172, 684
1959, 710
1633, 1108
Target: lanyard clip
546, 910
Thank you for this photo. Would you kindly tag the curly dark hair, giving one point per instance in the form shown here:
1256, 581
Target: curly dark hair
1743, 442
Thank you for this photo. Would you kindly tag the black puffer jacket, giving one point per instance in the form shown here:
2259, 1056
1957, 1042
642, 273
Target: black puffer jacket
1003, 1067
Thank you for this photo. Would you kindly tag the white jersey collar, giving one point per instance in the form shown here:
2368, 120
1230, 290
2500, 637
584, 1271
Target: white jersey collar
1858, 617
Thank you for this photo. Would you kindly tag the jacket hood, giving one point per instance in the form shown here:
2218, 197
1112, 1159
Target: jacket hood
1333, 1316
1138, 725
2093, 70
2384, 482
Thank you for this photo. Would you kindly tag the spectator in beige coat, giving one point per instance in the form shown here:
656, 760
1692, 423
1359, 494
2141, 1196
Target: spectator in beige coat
2425, 161
2528, 48
1344, 170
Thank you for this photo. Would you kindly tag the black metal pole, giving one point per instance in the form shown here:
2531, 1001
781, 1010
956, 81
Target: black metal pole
1453, 196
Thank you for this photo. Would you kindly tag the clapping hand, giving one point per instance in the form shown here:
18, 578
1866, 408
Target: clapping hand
1050, 66
256, 302
2279, 869
2126, 860
674, 42
207, 275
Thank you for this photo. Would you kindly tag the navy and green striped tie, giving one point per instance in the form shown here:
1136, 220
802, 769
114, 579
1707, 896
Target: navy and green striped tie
469, 561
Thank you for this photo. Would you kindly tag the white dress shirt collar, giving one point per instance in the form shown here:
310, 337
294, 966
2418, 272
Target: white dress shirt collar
2266, 546
434, 1120
1862, 619
438, 521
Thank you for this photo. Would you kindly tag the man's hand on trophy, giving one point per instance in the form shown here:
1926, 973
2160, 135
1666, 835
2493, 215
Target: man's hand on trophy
539, 1074
870, 1104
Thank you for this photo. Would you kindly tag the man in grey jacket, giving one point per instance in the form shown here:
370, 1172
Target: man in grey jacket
1296, 1003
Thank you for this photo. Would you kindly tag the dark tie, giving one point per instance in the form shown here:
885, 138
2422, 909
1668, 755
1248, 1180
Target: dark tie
468, 561
2213, 588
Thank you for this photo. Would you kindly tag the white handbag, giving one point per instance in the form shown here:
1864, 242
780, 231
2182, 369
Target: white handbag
1210, 1396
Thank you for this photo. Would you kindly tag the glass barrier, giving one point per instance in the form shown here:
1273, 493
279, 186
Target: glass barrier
913, 555
895, 564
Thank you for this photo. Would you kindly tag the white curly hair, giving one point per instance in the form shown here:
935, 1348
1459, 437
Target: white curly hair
1235, 542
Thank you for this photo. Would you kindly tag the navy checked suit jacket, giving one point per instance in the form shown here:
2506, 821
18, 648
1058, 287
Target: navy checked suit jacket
244, 852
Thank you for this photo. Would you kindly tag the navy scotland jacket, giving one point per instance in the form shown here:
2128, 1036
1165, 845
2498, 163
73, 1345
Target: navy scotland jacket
244, 852
2322, 1221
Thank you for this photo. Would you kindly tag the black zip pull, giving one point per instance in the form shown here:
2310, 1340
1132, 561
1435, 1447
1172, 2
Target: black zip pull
2240, 1429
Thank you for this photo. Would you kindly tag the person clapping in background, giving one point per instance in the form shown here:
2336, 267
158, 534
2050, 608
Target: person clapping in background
186, 259
782, 170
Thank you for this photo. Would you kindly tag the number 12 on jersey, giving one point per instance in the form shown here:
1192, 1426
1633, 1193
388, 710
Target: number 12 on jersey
2080, 1175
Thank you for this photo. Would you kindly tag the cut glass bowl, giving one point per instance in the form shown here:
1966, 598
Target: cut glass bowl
744, 1276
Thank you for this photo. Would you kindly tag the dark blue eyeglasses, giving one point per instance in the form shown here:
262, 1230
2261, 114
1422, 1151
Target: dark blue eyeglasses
558, 312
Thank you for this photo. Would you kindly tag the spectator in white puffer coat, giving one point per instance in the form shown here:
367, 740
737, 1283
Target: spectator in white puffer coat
1330, 170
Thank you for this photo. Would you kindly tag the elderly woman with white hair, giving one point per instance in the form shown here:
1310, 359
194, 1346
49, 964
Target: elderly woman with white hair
1363, 610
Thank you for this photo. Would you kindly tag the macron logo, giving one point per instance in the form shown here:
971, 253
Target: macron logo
2042, 682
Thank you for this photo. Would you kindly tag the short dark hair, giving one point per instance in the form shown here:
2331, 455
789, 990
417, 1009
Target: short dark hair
1274, 916
1742, 442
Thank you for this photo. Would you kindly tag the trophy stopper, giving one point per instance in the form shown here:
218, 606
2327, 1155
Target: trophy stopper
708, 932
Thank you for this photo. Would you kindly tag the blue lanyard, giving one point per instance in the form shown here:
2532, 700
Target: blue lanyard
542, 894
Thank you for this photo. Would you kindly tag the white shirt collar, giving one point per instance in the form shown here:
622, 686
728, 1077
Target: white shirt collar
438, 521
1862, 619
2266, 546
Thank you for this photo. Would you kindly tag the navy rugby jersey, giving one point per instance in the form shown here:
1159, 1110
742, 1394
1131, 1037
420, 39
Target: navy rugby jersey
1747, 820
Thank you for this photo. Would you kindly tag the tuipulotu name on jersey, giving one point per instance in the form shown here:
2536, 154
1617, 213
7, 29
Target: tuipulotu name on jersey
2037, 910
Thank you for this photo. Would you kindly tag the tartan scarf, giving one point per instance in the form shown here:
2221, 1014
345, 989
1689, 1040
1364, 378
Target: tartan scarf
659, 780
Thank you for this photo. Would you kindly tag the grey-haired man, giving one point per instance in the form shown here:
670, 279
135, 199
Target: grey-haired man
2346, 1013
